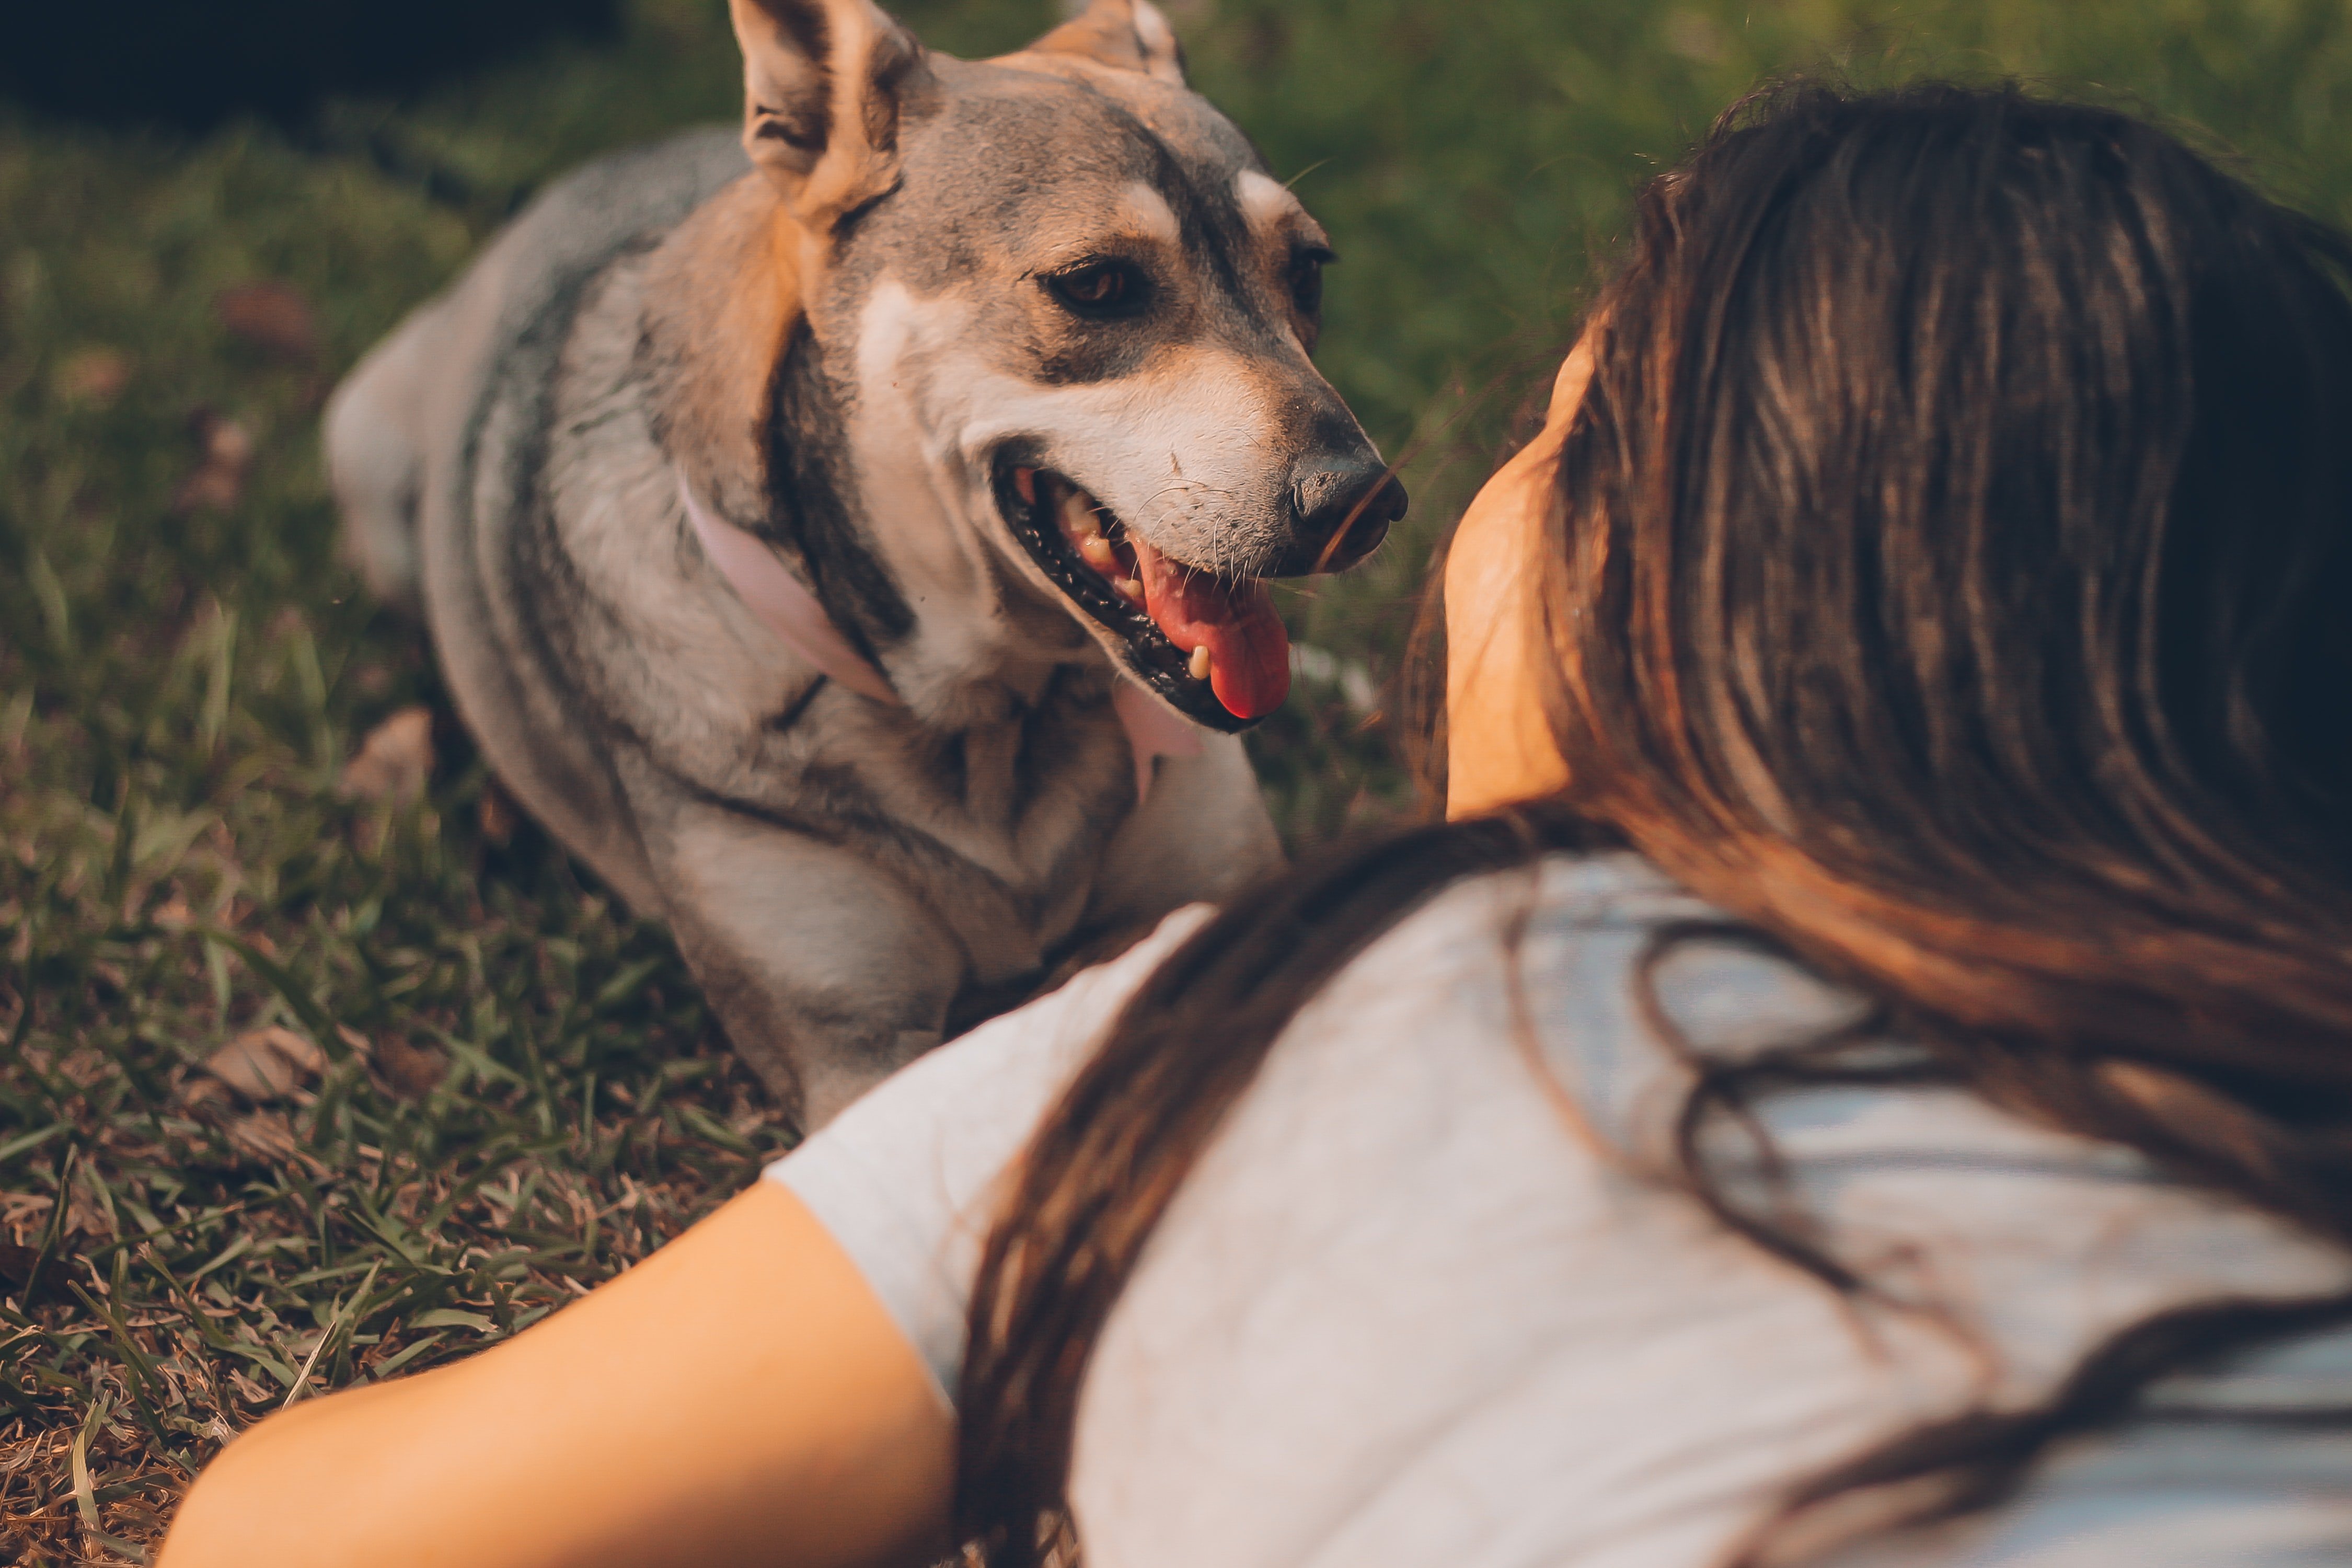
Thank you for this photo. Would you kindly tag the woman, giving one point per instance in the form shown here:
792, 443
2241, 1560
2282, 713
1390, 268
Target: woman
1866, 1077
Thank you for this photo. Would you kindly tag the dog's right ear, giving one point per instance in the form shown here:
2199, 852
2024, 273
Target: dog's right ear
1127, 34
823, 85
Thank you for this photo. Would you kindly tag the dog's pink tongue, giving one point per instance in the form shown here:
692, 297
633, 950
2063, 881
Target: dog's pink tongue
1249, 651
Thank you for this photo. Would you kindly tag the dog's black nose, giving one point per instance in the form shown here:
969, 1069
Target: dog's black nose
1344, 507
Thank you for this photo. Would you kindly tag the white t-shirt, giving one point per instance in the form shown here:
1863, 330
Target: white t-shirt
1424, 1302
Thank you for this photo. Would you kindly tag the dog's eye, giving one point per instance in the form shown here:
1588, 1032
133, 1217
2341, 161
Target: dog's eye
1306, 281
1100, 290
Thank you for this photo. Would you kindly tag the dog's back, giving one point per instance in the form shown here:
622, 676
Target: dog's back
399, 428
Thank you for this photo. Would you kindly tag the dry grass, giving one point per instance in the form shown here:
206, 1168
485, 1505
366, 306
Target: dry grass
487, 1091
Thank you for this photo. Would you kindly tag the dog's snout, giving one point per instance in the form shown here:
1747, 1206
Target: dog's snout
1343, 507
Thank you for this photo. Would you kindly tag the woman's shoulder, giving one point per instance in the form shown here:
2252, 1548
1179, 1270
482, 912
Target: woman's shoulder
1473, 936
1596, 890
1601, 960
904, 1177
1599, 914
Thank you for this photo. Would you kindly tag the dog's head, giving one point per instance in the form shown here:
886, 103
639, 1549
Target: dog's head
1068, 316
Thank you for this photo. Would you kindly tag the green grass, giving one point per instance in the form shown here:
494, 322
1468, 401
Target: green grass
519, 1091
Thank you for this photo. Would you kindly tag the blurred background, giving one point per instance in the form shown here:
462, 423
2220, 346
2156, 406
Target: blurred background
234, 812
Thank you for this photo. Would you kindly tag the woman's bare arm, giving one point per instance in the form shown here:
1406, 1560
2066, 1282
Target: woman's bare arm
740, 1398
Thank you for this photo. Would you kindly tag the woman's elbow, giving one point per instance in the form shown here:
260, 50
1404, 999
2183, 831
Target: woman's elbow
277, 1496
222, 1521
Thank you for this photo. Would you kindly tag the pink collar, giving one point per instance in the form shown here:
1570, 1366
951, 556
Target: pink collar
783, 603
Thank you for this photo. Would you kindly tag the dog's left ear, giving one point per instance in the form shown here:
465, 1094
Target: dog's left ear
823, 82
1130, 35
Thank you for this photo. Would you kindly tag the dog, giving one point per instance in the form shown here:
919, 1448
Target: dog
849, 536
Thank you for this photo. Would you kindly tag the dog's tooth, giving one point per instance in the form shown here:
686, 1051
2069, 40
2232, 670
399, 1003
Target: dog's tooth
1025, 480
1096, 550
1200, 664
1078, 514
1131, 589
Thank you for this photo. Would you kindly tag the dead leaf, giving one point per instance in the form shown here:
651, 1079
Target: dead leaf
250, 1391
274, 317
95, 376
266, 1064
217, 483
84, 1215
265, 1137
496, 815
413, 1071
16, 1266
395, 761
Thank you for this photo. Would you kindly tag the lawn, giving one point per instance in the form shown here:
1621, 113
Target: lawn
317, 1072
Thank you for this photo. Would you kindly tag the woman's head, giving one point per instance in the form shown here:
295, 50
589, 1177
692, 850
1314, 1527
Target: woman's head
1968, 447
1949, 558
1939, 558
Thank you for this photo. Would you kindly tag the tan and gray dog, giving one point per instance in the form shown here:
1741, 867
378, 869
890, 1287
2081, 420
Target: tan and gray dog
824, 546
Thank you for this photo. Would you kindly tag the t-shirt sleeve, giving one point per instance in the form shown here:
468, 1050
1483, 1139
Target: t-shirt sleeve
907, 1178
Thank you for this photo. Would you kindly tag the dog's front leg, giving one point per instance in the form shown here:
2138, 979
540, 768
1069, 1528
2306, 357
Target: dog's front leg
826, 971
1201, 834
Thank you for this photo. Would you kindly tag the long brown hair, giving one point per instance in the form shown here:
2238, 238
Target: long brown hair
1950, 579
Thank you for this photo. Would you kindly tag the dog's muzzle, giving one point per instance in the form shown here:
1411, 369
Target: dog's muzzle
1211, 645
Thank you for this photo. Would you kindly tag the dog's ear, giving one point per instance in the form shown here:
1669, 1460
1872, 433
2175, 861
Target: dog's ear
823, 82
1130, 35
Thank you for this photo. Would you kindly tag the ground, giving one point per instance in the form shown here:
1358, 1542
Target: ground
319, 1066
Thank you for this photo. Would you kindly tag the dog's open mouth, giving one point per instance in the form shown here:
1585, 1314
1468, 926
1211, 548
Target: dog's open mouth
1212, 646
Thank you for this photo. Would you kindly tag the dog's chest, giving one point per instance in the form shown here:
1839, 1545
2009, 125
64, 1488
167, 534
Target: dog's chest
997, 825
1000, 829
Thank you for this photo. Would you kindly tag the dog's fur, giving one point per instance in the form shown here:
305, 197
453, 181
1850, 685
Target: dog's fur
846, 344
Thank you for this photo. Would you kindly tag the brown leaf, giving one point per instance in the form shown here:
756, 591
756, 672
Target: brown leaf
265, 1137
497, 814
16, 1266
266, 1064
250, 1391
413, 1071
273, 317
96, 376
218, 483
84, 1215
395, 761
